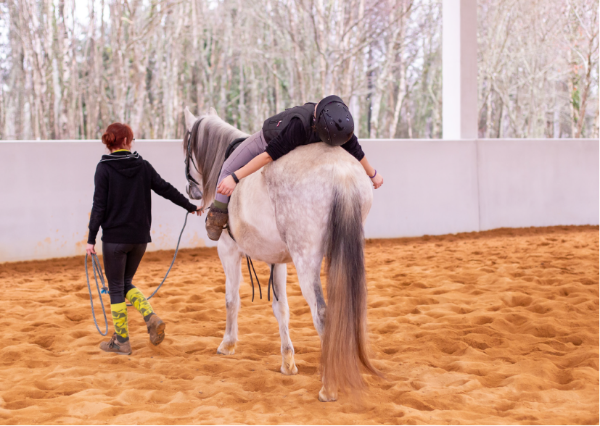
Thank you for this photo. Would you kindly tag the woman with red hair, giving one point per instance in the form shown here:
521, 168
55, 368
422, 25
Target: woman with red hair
122, 207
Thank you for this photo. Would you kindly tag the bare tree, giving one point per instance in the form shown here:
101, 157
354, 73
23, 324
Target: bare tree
538, 63
69, 68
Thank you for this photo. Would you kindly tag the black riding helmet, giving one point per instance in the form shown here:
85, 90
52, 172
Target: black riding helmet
334, 123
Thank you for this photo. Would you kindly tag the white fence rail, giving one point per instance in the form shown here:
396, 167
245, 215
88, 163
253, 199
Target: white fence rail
431, 187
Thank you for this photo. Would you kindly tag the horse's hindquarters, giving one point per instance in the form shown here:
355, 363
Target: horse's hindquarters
302, 185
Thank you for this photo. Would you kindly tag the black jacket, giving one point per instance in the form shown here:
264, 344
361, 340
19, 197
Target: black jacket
295, 134
274, 126
122, 198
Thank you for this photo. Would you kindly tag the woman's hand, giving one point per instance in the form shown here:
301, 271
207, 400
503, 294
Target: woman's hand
377, 181
90, 249
199, 210
226, 186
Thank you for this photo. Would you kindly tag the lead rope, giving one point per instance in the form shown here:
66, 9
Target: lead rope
98, 273
174, 257
96, 267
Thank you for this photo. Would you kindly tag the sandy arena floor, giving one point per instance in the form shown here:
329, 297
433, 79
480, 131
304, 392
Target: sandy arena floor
497, 327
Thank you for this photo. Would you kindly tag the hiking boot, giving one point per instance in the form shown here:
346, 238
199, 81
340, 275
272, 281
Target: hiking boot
116, 347
156, 330
215, 221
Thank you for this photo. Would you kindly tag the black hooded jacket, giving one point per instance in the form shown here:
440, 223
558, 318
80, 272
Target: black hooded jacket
122, 198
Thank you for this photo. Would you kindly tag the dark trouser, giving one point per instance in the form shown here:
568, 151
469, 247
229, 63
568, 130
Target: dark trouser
120, 263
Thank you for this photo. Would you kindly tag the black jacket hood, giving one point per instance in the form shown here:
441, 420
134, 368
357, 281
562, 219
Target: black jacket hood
126, 163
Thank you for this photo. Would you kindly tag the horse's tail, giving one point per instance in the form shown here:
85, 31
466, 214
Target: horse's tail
344, 347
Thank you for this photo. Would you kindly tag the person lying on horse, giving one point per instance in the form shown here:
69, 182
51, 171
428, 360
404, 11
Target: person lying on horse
328, 121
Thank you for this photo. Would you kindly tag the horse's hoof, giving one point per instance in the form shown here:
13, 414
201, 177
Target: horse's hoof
285, 369
226, 348
324, 397
288, 365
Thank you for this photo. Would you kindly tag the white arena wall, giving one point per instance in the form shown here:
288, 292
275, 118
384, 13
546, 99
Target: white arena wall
432, 187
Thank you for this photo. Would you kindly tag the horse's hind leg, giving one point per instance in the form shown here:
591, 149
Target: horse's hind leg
282, 313
308, 267
231, 261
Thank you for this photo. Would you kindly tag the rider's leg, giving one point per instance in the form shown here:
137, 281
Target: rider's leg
217, 216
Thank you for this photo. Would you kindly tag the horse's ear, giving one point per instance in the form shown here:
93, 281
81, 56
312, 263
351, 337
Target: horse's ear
189, 119
212, 111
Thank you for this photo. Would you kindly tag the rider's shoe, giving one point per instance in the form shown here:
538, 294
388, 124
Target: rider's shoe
156, 329
216, 219
116, 347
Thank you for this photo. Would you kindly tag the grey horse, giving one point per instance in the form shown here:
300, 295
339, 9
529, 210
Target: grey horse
308, 205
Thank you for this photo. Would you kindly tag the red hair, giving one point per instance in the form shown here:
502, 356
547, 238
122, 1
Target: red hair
117, 136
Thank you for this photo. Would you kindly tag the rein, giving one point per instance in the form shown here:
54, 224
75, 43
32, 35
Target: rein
249, 263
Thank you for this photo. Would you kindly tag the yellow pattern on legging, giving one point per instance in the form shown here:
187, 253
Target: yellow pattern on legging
140, 303
119, 316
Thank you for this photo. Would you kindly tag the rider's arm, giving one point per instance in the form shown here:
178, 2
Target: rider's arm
254, 164
289, 138
227, 185
354, 148
377, 179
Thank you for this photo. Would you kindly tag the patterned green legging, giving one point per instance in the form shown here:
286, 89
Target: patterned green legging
119, 313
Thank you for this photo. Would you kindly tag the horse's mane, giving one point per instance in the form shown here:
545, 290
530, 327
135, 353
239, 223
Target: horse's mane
209, 141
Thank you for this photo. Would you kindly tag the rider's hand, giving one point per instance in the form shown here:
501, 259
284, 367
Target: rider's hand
226, 186
90, 249
377, 181
199, 210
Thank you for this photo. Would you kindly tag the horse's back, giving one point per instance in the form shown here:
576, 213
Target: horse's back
315, 172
